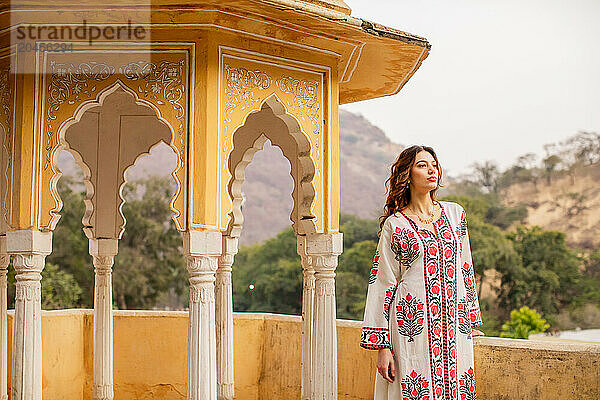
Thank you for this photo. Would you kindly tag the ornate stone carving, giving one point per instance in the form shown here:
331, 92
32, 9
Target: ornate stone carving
29, 263
4, 261
202, 250
103, 252
304, 102
74, 83
199, 264
201, 294
240, 84
322, 251
103, 392
28, 290
103, 264
5, 99
224, 319
161, 82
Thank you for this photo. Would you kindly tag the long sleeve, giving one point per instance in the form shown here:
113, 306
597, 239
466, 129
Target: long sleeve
468, 272
381, 291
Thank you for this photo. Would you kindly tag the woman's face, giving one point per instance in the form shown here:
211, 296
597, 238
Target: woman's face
424, 172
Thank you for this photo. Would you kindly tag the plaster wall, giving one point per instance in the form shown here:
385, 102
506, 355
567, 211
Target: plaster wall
151, 363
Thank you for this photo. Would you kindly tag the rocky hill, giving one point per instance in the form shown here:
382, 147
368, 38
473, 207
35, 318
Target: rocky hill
568, 203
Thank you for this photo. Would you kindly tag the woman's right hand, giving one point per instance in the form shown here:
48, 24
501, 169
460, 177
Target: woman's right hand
385, 365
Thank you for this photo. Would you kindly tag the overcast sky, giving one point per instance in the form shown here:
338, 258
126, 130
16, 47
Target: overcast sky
503, 77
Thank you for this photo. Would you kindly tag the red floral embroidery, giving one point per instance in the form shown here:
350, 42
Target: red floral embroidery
415, 387
409, 313
375, 338
464, 322
469, 283
405, 245
374, 268
440, 259
467, 385
390, 294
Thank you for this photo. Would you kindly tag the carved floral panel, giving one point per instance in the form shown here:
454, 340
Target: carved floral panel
244, 85
74, 83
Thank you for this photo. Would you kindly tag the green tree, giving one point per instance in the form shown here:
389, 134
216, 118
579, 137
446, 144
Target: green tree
550, 163
352, 275
549, 277
356, 229
69, 244
523, 323
150, 261
268, 277
59, 288
490, 249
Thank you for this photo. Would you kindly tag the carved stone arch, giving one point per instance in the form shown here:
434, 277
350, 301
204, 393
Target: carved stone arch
140, 128
6, 109
4, 160
272, 122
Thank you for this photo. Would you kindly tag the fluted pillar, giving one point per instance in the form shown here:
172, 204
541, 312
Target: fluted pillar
202, 250
4, 261
224, 319
29, 250
323, 251
103, 252
308, 293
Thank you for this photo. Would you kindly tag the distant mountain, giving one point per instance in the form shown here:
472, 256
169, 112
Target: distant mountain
366, 155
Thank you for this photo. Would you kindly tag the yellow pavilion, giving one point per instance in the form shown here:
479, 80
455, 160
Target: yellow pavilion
214, 80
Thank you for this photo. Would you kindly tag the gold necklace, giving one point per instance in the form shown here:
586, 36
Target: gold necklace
425, 220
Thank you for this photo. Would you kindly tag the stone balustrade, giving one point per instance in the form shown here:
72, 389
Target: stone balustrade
150, 360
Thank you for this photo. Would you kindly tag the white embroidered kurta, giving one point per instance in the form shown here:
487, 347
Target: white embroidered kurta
422, 304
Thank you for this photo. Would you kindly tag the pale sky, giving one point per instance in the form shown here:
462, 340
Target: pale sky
503, 77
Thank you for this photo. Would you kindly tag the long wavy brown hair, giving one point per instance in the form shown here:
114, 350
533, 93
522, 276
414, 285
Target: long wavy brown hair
397, 185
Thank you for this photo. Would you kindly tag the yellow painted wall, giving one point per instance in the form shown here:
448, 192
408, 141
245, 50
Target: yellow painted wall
151, 362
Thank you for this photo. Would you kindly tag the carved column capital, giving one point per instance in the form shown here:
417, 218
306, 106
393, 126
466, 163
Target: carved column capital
29, 249
319, 379
229, 250
103, 252
202, 250
322, 250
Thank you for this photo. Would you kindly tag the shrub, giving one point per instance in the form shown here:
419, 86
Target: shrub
523, 323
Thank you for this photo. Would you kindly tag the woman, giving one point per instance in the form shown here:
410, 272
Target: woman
422, 302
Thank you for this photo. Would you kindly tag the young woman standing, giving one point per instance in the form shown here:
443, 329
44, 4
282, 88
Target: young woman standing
422, 301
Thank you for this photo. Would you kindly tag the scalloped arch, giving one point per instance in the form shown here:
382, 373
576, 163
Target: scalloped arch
272, 122
90, 189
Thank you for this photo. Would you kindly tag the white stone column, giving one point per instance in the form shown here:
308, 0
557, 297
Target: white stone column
323, 250
103, 252
29, 250
4, 261
202, 250
308, 294
224, 319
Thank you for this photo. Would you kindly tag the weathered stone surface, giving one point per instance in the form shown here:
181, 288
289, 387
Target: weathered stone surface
268, 354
